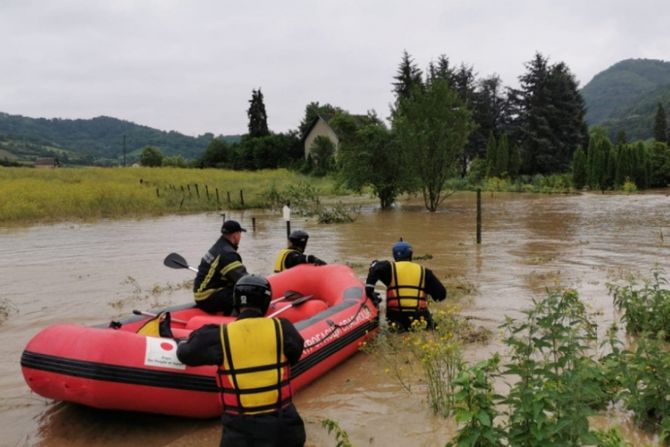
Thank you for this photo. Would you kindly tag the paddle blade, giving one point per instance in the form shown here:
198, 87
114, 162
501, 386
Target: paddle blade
175, 261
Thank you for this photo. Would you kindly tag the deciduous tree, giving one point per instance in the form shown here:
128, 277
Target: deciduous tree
373, 158
151, 156
433, 126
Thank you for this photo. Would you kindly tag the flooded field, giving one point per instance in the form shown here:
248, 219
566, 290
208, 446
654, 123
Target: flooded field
93, 273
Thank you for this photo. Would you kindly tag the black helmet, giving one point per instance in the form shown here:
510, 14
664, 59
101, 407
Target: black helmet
298, 239
252, 291
402, 251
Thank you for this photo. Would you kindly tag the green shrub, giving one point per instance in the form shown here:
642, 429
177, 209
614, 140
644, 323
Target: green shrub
646, 307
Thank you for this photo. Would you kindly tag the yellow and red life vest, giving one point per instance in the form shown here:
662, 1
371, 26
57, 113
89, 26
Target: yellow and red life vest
254, 376
406, 292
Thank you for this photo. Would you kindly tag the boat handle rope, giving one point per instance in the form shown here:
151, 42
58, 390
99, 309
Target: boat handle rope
335, 327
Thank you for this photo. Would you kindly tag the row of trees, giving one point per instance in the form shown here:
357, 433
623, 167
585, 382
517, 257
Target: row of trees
445, 122
445, 119
606, 166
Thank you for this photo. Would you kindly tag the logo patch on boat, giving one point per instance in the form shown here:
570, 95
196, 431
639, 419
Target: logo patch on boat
162, 352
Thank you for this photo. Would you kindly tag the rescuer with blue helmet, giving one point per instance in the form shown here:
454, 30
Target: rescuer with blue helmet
408, 287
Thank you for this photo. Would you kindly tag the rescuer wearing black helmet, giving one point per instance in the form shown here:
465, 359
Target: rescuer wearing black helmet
254, 355
294, 254
219, 270
408, 286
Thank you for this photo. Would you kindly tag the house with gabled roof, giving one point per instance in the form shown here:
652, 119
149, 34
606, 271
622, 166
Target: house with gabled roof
319, 128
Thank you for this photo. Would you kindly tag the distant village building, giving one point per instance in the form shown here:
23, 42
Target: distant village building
319, 128
47, 162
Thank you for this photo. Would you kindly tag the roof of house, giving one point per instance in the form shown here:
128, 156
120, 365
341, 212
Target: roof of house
326, 118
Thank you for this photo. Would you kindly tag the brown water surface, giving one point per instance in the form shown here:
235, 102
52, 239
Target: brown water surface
92, 273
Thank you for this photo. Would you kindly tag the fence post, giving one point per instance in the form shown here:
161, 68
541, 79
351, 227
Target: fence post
479, 216
253, 224
217, 197
241, 197
228, 193
207, 192
197, 191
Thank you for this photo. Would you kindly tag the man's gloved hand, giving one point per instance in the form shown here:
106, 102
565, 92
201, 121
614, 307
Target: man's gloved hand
376, 299
314, 260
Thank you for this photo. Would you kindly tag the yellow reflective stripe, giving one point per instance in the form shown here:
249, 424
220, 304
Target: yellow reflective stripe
232, 266
203, 295
210, 273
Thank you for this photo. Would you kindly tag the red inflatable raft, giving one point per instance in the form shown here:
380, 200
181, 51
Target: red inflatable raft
113, 367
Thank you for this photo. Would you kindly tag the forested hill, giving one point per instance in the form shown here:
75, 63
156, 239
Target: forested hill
626, 96
90, 141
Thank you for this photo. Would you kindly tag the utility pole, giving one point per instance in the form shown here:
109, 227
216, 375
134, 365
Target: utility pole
124, 150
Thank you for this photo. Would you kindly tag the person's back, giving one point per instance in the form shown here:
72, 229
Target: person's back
254, 355
219, 270
408, 286
294, 254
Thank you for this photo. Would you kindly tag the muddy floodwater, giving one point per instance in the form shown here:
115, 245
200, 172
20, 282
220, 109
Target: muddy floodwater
93, 273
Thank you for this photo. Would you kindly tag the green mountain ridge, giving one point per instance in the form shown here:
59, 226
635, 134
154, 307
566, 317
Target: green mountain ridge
98, 140
626, 95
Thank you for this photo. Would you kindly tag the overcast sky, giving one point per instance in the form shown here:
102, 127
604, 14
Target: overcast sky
190, 65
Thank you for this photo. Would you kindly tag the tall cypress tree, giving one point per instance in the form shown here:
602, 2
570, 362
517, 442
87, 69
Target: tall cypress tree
514, 160
612, 157
258, 118
598, 151
491, 156
661, 125
502, 160
579, 175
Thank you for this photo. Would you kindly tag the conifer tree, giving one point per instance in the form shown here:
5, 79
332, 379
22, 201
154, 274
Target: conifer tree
502, 158
598, 151
514, 161
491, 156
258, 118
549, 117
611, 166
661, 125
407, 77
579, 175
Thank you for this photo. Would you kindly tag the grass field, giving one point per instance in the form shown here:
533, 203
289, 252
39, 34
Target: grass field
29, 196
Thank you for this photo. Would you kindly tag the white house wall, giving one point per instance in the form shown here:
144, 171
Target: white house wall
320, 129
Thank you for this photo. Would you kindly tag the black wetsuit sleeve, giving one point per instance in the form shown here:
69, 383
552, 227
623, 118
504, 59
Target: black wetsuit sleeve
434, 287
379, 271
294, 258
293, 341
203, 347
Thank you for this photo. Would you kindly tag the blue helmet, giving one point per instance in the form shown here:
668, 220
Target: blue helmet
402, 251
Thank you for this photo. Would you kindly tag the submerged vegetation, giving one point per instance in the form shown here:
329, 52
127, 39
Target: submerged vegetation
554, 376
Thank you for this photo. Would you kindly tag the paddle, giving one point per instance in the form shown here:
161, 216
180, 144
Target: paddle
292, 305
153, 315
177, 261
289, 295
